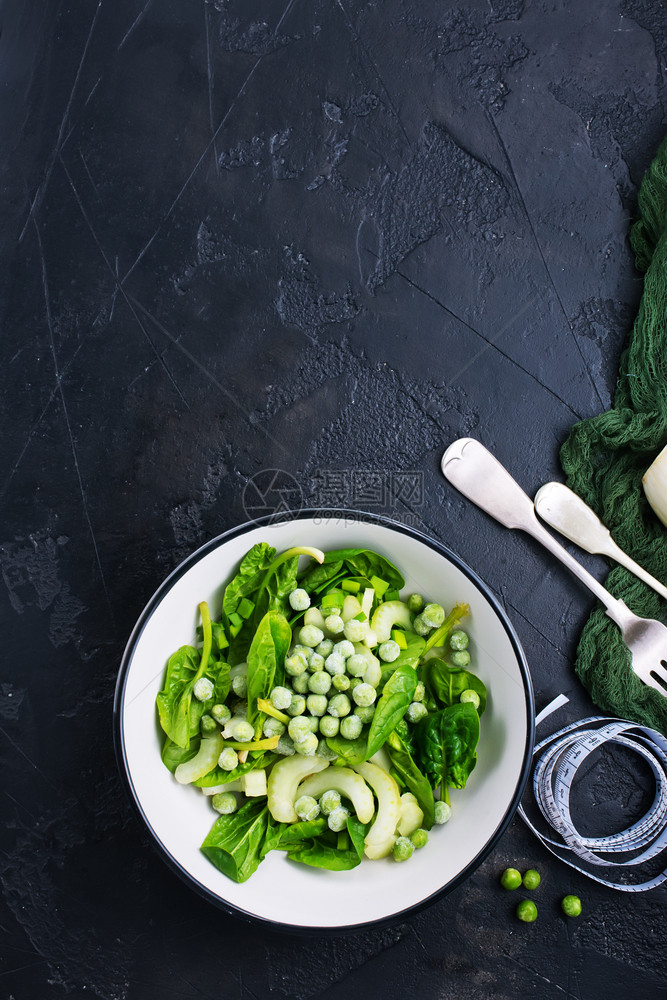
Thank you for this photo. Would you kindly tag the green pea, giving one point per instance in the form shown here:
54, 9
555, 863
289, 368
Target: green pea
526, 911
510, 878
571, 906
531, 879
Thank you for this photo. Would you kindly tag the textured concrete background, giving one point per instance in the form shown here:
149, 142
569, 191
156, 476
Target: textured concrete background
319, 237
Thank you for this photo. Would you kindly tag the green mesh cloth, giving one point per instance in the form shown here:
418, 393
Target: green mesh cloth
605, 458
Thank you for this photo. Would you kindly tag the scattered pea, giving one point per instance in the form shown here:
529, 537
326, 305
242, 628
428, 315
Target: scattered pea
311, 635
571, 906
415, 603
337, 819
221, 714
389, 651
510, 878
228, 759
531, 879
419, 838
306, 807
334, 624
461, 658
350, 727
297, 705
526, 911
416, 710
443, 812
470, 696
433, 615
329, 801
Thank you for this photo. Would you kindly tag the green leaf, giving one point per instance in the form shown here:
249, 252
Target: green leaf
446, 683
391, 706
447, 742
295, 833
235, 842
173, 701
319, 575
413, 779
251, 573
366, 563
173, 755
351, 751
266, 659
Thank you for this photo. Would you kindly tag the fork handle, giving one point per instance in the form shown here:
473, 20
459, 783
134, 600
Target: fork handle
479, 476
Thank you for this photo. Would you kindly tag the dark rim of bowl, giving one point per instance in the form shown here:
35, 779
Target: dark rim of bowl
119, 742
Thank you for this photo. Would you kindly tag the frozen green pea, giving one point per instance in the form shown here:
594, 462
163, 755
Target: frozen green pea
337, 819
208, 725
420, 626
325, 647
300, 684
329, 726
365, 712
461, 658
350, 727
297, 705
298, 727
307, 746
281, 698
355, 631
458, 640
313, 722
364, 694
334, 624
221, 713
242, 730
316, 663
239, 685
311, 635
443, 812
389, 651
470, 697
416, 711
203, 689
299, 599
420, 692
339, 706
286, 746
344, 648
341, 682
306, 807
403, 849
334, 664
273, 727
319, 683
228, 759
433, 615
317, 704
415, 603
356, 665
224, 803
419, 838
329, 801
296, 664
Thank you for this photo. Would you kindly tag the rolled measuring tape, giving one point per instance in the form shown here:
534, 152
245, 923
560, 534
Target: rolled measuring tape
556, 761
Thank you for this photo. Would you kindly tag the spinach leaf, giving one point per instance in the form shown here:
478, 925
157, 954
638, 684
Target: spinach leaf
364, 562
235, 843
391, 706
251, 573
296, 833
446, 683
320, 575
266, 659
357, 831
319, 851
411, 776
351, 751
173, 755
174, 700
446, 745
275, 586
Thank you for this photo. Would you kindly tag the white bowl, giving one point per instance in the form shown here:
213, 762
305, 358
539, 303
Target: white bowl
285, 893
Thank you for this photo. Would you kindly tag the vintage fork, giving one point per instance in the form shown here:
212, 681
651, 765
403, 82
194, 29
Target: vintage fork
476, 473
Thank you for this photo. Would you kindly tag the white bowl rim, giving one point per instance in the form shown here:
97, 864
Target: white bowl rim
118, 720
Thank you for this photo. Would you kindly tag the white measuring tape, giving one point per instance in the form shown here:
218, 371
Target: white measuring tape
557, 760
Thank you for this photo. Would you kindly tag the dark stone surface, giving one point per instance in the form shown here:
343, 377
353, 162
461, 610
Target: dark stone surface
315, 237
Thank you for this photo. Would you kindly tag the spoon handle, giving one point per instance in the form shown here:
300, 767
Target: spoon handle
478, 474
566, 512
